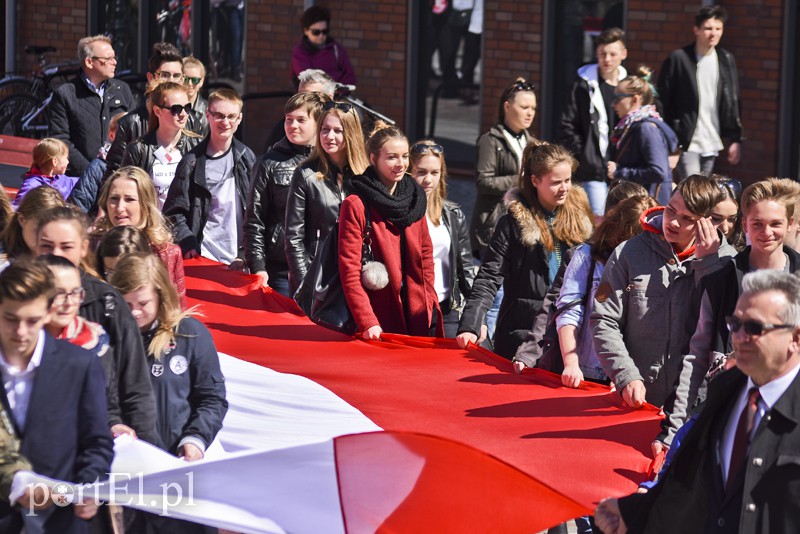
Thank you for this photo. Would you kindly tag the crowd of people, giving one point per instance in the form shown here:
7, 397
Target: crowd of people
582, 257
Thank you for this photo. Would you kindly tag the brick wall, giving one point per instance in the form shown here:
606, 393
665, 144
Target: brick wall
42, 22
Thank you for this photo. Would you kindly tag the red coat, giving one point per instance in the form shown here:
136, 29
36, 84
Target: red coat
383, 307
172, 257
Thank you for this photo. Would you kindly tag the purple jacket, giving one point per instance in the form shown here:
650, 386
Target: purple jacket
61, 182
331, 58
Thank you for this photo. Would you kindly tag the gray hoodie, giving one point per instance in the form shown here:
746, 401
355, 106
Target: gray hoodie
646, 308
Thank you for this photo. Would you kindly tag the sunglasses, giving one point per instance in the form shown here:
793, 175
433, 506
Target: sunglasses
753, 328
191, 80
344, 108
317, 33
104, 60
735, 186
176, 109
522, 86
422, 148
621, 96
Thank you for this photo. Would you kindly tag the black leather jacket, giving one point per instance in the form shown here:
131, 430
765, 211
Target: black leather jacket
312, 209
462, 271
266, 207
129, 128
198, 123
142, 152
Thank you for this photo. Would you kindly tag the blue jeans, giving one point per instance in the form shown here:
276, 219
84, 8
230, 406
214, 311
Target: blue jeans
597, 192
491, 315
693, 163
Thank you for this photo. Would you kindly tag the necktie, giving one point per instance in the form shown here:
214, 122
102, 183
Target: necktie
741, 439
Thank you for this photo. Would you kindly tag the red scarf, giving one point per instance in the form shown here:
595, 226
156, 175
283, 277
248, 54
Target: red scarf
647, 227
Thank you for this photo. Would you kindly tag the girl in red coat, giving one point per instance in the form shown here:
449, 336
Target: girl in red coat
394, 292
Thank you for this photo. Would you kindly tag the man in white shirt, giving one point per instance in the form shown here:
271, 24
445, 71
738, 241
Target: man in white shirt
738, 468
699, 89
206, 200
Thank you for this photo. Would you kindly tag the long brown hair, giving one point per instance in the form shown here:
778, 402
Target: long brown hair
570, 226
620, 224
137, 270
353, 143
437, 196
36, 202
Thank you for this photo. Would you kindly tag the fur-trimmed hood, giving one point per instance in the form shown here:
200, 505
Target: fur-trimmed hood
530, 230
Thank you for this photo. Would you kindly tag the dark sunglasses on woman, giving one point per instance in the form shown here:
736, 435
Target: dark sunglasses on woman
176, 109
344, 108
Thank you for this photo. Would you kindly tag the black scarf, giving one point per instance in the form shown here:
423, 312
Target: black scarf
406, 206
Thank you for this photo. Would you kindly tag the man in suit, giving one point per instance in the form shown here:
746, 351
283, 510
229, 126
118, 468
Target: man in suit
738, 468
82, 108
55, 394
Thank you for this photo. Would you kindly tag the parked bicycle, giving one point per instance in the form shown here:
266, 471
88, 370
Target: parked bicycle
23, 100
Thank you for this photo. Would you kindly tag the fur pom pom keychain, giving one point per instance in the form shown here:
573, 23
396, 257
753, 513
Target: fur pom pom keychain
374, 275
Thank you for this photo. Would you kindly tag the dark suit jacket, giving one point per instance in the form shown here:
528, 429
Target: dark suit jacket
691, 497
66, 433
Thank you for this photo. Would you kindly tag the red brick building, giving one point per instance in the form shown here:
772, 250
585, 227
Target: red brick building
527, 38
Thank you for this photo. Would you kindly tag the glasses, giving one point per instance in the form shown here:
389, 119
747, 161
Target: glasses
104, 60
192, 80
620, 96
167, 76
75, 296
735, 186
753, 328
219, 117
317, 33
176, 109
422, 148
344, 108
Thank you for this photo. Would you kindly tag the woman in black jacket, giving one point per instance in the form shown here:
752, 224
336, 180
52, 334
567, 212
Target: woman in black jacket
320, 184
452, 258
167, 140
546, 216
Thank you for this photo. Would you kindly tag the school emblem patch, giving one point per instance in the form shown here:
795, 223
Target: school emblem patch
157, 369
178, 364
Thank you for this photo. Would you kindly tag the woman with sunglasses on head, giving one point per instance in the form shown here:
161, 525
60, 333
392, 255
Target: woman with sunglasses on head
159, 151
452, 258
768, 209
320, 185
394, 291
546, 216
642, 142
317, 50
726, 215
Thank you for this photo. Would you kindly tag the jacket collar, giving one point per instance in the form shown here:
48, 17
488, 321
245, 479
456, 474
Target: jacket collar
521, 213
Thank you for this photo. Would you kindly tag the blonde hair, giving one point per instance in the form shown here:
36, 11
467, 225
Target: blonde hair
538, 159
437, 196
353, 144
36, 202
191, 61
153, 224
781, 190
137, 270
45, 152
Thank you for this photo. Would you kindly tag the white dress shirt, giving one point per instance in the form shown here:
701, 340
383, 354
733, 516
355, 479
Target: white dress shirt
18, 383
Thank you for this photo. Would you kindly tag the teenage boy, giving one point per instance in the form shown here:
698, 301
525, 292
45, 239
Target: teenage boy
699, 88
269, 189
206, 200
55, 395
647, 296
589, 116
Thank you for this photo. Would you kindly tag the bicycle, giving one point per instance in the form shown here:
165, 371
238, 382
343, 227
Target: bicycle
23, 100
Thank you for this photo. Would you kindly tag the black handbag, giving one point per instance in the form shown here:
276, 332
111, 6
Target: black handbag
551, 359
321, 295
460, 18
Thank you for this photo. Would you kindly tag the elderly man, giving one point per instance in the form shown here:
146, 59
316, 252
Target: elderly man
82, 108
738, 468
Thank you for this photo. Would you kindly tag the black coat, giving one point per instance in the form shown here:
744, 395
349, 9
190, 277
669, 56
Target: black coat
79, 117
312, 209
462, 270
126, 361
198, 122
765, 497
142, 153
189, 199
266, 207
129, 129
188, 386
677, 89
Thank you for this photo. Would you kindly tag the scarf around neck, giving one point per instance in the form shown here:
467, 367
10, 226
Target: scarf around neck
643, 113
406, 206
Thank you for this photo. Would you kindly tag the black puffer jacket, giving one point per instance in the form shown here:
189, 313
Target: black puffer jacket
189, 199
79, 117
462, 271
129, 129
266, 207
142, 153
126, 362
312, 209
677, 89
516, 259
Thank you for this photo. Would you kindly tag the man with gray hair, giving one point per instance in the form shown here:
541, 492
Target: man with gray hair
738, 468
315, 80
82, 108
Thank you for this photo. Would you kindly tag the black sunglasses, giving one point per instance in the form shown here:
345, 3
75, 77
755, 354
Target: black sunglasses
734, 185
422, 148
176, 109
344, 108
523, 86
622, 96
753, 328
317, 33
